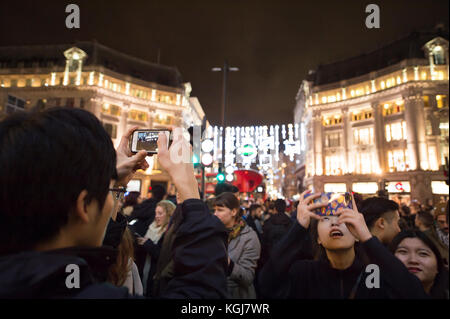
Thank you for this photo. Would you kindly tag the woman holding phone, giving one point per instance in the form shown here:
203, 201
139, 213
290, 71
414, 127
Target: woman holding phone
342, 271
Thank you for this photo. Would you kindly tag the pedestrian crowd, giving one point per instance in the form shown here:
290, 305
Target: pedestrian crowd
64, 203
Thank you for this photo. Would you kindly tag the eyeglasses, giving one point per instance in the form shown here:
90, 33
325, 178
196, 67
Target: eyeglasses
118, 192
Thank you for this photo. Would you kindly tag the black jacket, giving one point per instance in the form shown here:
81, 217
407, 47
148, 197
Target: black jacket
284, 276
142, 216
153, 250
199, 256
273, 230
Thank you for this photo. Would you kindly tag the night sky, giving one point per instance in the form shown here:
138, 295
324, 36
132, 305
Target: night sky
274, 43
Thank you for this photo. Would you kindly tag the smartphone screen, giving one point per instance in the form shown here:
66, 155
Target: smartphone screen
336, 202
147, 140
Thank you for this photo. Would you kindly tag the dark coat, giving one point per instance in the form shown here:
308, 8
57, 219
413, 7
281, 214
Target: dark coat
142, 216
273, 230
284, 276
199, 264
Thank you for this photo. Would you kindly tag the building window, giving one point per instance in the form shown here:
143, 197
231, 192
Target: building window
61, 80
432, 158
28, 82
442, 101
428, 127
70, 102
390, 108
111, 129
396, 131
398, 160
72, 80
443, 126
438, 55
333, 139
332, 120
13, 83
363, 136
364, 163
361, 115
334, 165
111, 109
137, 115
426, 101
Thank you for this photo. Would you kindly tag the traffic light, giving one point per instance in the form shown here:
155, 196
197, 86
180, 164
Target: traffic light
220, 177
195, 160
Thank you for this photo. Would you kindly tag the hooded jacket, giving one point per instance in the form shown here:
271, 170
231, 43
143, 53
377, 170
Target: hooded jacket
199, 264
284, 276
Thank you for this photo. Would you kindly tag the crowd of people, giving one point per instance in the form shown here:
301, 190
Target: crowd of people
175, 245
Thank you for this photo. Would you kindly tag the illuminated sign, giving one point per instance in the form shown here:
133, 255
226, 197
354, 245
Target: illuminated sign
398, 187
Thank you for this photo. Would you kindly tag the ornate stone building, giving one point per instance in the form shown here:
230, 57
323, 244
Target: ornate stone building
121, 90
378, 120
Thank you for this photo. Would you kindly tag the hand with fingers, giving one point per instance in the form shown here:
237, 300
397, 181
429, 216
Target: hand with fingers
355, 222
127, 163
179, 167
141, 240
305, 209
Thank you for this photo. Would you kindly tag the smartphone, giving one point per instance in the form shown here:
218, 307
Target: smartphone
336, 202
147, 140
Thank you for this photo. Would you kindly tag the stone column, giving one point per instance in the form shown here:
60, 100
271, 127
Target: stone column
415, 124
379, 137
347, 139
317, 136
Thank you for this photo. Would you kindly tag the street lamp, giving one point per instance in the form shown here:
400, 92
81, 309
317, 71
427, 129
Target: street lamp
225, 70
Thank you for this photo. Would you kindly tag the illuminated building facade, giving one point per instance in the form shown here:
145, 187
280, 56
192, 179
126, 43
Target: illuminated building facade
122, 91
379, 119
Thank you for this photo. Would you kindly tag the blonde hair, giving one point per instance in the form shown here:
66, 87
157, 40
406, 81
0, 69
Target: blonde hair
168, 208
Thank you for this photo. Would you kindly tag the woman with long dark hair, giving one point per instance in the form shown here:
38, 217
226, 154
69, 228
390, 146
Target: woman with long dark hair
342, 273
423, 259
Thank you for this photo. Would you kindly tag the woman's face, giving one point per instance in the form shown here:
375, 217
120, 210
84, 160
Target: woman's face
332, 235
160, 216
226, 215
418, 258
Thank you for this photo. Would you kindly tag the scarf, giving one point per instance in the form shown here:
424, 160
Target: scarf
236, 230
154, 233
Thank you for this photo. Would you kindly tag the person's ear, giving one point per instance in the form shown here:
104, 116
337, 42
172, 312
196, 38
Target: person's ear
81, 211
380, 223
319, 241
234, 212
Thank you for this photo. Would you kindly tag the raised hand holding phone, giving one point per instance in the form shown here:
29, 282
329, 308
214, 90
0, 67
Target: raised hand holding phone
127, 163
179, 167
355, 222
306, 210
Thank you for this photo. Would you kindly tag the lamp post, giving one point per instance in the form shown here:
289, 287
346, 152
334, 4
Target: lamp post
225, 70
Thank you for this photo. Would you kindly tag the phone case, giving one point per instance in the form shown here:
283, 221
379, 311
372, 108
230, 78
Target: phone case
336, 203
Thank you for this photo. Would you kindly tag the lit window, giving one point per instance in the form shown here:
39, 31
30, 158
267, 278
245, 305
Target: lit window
426, 101
398, 161
441, 101
438, 55
382, 85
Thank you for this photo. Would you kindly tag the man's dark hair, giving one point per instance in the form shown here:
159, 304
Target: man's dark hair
376, 207
158, 192
225, 188
254, 207
425, 218
46, 160
280, 205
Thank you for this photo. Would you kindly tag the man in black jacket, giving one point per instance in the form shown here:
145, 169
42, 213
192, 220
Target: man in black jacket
65, 165
274, 229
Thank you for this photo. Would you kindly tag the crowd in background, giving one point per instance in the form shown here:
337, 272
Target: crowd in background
175, 245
